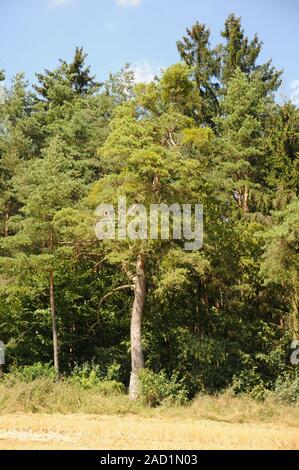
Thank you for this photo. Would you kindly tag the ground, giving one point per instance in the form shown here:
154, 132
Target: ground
74, 431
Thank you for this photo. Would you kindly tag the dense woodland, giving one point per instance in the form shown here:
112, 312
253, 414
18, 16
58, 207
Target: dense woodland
209, 130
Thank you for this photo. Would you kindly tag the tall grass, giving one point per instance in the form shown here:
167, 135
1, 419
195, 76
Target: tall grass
44, 395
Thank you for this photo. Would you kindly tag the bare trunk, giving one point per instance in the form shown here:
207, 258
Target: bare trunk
54, 325
295, 317
6, 221
246, 198
136, 322
72, 349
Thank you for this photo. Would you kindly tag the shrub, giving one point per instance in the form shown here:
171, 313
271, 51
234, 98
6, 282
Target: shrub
113, 372
286, 389
29, 373
156, 389
249, 382
89, 376
111, 388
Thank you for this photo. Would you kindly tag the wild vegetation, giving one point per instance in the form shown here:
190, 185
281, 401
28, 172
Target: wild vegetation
86, 412
148, 315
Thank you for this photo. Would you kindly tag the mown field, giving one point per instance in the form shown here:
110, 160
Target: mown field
40, 431
66, 417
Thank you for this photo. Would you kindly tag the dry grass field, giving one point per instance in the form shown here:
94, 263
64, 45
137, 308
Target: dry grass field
99, 422
42, 431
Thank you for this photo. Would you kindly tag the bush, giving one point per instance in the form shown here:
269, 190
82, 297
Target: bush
29, 373
89, 376
111, 388
157, 389
86, 376
286, 389
249, 382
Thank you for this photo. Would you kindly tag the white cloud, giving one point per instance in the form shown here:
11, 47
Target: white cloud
128, 3
145, 72
58, 3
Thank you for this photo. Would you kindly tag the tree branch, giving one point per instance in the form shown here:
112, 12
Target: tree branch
117, 289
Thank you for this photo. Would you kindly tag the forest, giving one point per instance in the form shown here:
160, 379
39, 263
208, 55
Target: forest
211, 129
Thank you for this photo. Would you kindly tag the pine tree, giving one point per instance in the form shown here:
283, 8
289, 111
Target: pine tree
44, 187
67, 81
15, 146
241, 157
239, 52
196, 52
148, 170
79, 75
120, 85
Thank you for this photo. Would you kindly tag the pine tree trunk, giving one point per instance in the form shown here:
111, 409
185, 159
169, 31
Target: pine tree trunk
295, 316
246, 199
54, 325
136, 323
6, 221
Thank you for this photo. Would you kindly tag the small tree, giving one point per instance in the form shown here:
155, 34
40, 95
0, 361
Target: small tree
44, 187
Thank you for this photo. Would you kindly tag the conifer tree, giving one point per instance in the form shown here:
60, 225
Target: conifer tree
240, 152
15, 146
44, 187
148, 170
238, 52
67, 81
196, 52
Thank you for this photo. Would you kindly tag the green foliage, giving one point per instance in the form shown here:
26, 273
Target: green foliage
199, 137
249, 382
286, 389
196, 52
156, 389
29, 373
207, 131
89, 375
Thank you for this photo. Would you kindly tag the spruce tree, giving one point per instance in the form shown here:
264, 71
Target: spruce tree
196, 52
238, 52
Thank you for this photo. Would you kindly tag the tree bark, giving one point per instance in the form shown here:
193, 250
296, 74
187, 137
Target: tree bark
246, 199
136, 327
295, 316
54, 324
6, 221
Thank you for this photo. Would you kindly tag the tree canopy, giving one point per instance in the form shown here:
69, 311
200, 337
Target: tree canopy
207, 131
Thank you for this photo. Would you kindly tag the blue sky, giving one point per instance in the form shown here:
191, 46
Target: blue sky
34, 34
